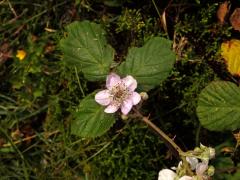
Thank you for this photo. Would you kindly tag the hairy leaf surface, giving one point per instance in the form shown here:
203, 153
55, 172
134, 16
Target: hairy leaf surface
150, 64
86, 48
90, 119
219, 106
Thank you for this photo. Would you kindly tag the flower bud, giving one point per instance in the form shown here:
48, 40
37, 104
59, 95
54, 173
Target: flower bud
197, 150
211, 153
204, 156
211, 171
124, 117
166, 174
144, 95
203, 147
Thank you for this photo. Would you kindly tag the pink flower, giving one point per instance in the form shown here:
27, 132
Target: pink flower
201, 170
119, 94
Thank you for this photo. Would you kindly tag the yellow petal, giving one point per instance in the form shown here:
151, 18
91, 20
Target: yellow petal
21, 54
231, 54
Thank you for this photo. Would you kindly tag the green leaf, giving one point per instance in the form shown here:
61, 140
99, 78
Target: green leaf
86, 48
150, 64
219, 106
90, 119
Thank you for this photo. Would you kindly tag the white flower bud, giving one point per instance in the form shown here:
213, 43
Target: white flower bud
166, 174
211, 153
124, 117
144, 95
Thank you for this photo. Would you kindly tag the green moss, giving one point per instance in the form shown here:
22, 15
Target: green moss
203, 32
137, 153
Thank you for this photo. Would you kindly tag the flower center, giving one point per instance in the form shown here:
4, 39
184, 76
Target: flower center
119, 93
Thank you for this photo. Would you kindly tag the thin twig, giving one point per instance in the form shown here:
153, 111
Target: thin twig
29, 138
156, 8
1, 2
13, 11
198, 135
175, 149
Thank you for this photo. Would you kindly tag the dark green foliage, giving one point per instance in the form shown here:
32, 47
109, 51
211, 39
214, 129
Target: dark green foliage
39, 94
86, 48
204, 34
135, 153
90, 119
218, 106
150, 64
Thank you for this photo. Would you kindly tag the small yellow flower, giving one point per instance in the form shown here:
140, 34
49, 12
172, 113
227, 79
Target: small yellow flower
21, 54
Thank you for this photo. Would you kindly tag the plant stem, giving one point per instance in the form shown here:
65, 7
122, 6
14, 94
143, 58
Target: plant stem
174, 148
156, 8
197, 135
79, 83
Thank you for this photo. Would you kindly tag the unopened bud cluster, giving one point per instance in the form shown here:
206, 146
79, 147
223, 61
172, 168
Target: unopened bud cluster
204, 153
197, 160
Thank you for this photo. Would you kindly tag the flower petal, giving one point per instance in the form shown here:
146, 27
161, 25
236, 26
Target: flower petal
130, 82
112, 80
192, 161
201, 168
111, 108
179, 165
136, 98
126, 106
186, 178
166, 174
103, 97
